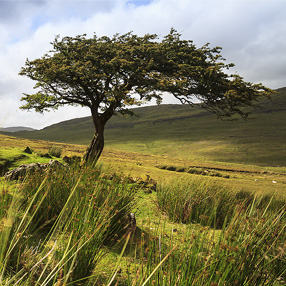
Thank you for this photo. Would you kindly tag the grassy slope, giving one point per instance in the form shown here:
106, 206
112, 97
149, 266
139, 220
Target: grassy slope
256, 179
150, 220
187, 133
12, 151
197, 135
152, 225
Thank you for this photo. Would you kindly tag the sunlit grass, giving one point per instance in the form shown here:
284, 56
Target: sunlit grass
68, 225
70, 230
49, 240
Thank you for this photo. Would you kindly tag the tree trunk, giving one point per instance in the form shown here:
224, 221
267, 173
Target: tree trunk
95, 148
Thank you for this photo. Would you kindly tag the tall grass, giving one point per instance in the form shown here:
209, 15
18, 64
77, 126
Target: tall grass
242, 243
200, 201
58, 227
63, 223
247, 247
204, 201
55, 151
247, 252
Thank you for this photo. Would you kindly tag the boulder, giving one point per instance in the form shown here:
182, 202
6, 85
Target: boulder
21, 171
148, 185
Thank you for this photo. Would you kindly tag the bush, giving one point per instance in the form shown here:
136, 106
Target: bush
180, 169
171, 168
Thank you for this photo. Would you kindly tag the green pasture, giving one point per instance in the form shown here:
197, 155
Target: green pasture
185, 132
251, 178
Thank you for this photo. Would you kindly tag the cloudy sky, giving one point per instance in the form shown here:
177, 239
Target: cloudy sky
251, 33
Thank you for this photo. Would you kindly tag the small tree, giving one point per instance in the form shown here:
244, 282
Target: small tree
109, 75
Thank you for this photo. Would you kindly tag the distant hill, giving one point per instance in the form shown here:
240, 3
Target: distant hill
16, 129
184, 131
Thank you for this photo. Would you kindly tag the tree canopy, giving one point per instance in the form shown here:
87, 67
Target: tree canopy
109, 75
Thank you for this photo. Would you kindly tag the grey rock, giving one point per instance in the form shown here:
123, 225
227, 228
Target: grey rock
23, 170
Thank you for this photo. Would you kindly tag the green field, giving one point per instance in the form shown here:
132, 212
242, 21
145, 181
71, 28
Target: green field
184, 132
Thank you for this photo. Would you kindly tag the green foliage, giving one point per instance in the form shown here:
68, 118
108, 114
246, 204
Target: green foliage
109, 70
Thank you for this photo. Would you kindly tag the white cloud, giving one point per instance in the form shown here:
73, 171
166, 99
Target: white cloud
251, 32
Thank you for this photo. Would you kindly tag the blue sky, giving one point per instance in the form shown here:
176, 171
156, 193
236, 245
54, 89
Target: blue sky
251, 33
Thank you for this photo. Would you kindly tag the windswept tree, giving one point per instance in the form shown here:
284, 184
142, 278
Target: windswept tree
109, 75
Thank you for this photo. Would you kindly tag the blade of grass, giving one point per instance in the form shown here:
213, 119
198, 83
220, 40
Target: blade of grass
158, 266
113, 275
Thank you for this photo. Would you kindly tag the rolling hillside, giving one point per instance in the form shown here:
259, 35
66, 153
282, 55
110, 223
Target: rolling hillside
16, 129
185, 132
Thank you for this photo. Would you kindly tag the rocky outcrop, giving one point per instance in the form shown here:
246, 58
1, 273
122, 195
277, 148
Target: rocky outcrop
23, 170
148, 185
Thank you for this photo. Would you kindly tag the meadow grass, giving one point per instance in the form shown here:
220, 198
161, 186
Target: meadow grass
59, 229
204, 201
54, 231
15, 156
13, 146
252, 178
228, 239
68, 226
247, 252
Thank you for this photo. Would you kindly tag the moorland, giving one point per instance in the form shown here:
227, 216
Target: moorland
208, 196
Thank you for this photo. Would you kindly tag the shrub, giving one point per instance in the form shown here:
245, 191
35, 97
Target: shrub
171, 168
180, 169
162, 167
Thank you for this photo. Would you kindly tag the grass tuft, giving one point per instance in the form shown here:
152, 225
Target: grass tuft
55, 151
